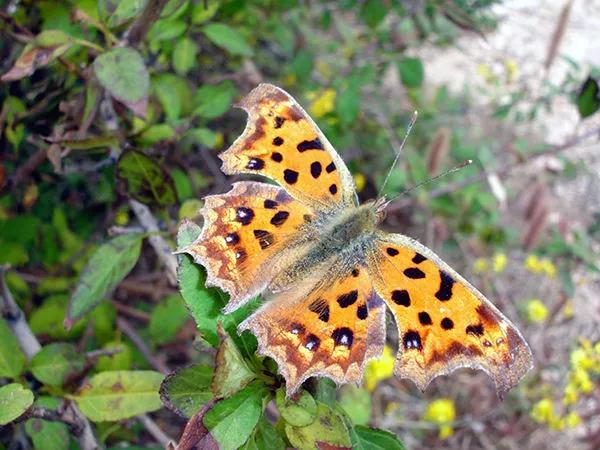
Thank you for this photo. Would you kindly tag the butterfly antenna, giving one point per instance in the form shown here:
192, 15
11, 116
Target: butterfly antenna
443, 174
398, 151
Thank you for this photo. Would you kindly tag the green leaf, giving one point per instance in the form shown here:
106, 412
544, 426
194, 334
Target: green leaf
48, 319
265, 436
184, 55
174, 94
126, 10
56, 362
326, 391
118, 361
202, 136
588, 98
356, 401
231, 421
186, 390
12, 359
328, 427
14, 401
122, 72
365, 438
204, 303
145, 179
300, 412
167, 318
411, 72
231, 371
109, 264
44, 434
212, 100
347, 105
166, 30
373, 12
120, 394
202, 11
227, 38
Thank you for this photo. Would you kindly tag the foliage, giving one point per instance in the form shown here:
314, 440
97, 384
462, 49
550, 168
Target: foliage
112, 113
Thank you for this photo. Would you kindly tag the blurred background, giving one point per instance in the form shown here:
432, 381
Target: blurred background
98, 143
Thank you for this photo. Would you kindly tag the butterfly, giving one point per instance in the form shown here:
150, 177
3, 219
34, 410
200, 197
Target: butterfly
328, 272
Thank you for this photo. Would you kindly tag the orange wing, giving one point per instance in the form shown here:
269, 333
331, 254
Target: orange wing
283, 143
329, 328
444, 323
243, 236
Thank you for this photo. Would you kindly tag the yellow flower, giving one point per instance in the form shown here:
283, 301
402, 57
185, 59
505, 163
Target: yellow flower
571, 394
536, 311
543, 411
581, 359
548, 267
499, 262
485, 72
441, 412
532, 263
359, 181
573, 419
582, 380
323, 104
512, 70
219, 139
379, 369
480, 265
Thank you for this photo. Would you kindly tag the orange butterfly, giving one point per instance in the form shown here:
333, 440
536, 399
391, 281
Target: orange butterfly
329, 272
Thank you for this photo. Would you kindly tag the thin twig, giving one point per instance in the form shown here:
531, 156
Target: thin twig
30, 345
138, 29
131, 312
137, 340
160, 246
161, 437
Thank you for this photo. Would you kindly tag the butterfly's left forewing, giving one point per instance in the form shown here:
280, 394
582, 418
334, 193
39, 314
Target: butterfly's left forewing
444, 323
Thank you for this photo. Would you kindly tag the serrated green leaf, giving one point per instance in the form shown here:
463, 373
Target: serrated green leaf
117, 395
327, 427
212, 100
55, 362
122, 72
297, 412
12, 359
167, 318
365, 438
145, 179
227, 38
231, 421
231, 371
186, 390
14, 401
411, 72
184, 55
109, 264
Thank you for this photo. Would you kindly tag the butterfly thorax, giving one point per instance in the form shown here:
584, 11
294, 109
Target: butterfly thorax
341, 237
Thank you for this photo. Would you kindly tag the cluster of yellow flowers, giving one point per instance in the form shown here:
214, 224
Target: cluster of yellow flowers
540, 265
492, 75
442, 413
379, 369
322, 104
497, 263
585, 365
536, 310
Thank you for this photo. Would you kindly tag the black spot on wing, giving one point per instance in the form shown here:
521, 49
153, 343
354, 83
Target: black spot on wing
425, 318
418, 258
321, 308
476, 330
347, 299
315, 144
414, 273
276, 156
362, 312
330, 167
312, 342
255, 164
279, 121
401, 297
240, 255
290, 176
244, 215
278, 141
446, 283
411, 340
333, 189
232, 238
270, 204
297, 328
279, 218
265, 239
315, 169
447, 323
392, 251
343, 336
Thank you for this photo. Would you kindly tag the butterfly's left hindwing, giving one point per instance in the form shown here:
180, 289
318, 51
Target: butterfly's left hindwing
443, 322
